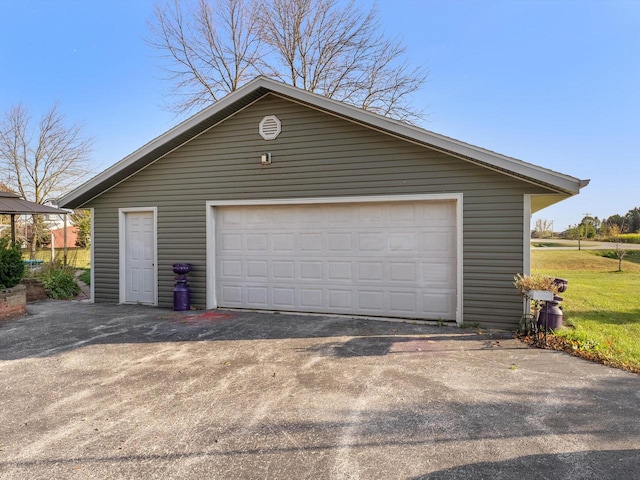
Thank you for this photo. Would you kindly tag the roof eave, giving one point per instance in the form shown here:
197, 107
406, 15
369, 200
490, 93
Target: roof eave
548, 178
77, 197
562, 182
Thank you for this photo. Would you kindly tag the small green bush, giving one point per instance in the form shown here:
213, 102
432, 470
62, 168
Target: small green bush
11, 264
85, 276
59, 280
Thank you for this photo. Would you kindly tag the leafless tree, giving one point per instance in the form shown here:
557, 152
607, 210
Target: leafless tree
212, 48
41, 162
620, 252
323, 46
543, 226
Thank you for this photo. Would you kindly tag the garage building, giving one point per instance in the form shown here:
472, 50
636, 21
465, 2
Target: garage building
285, 200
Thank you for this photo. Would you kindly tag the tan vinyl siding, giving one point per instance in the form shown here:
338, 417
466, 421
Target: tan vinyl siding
315, 155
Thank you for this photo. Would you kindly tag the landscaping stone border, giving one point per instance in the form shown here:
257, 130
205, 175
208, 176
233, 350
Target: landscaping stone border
35, 289
13, 302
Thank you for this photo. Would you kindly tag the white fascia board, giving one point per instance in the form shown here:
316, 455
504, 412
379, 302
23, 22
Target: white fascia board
526, 235
158, 141
343, 199
563, 182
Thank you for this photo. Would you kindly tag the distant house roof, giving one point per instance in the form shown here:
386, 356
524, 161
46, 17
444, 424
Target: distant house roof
58, 235
560, 185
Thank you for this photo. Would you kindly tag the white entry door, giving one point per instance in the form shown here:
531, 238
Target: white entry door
393, 259
139, 280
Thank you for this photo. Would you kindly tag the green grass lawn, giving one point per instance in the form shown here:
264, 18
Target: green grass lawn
631, 255
601, 305
553, 244
85, 276
76, 257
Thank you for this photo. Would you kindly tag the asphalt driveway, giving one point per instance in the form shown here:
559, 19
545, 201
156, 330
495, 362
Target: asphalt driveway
104, 391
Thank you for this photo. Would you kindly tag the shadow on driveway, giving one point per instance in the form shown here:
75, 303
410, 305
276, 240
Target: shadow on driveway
56, 326
573, 465
104, 391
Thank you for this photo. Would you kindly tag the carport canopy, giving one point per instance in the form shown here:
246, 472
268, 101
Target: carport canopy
11, 204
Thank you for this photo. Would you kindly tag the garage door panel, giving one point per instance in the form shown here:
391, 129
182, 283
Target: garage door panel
438, 302
402, 303
402, 214
257, 270
284, 298
340, 299
439, 214
339, 242
438, 242
283, 270
232, 295
337, 214
231, 242
257, 242
283, 242
231, 217
283, 215
340, 271
311, 298
370, 271
406, 242
309, 214
371, 301
232, 268
250, 217
435, 274
258, 297
311, 270
311, 242
370, 259
370, 214
403, 272
371, 242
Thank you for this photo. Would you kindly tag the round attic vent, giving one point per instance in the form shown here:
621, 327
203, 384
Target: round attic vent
270, 127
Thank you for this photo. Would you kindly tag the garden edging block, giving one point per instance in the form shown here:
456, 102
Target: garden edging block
13, 302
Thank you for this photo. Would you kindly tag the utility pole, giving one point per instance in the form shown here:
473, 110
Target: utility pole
587, 218
579, 236
586, 228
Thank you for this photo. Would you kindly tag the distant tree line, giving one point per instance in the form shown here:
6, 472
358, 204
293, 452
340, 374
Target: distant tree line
628, 223
593, 227
611, 227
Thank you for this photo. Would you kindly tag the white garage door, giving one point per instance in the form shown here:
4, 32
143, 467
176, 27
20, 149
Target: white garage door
394, 259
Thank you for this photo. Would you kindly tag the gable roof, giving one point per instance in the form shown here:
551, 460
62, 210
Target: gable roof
560, 185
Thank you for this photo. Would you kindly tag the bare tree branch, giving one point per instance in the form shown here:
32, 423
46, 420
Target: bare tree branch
44, 162
323, 46
213, 48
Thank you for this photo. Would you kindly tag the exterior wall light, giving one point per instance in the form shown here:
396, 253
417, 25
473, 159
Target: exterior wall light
265, 159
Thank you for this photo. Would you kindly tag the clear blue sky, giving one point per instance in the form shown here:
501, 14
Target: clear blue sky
555, 83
